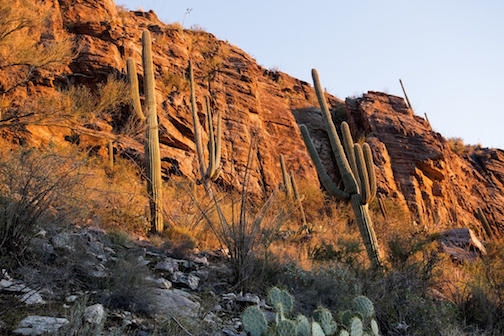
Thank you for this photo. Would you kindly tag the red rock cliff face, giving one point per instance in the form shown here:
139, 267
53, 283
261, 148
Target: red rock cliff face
417, 168
414, 164
254, 103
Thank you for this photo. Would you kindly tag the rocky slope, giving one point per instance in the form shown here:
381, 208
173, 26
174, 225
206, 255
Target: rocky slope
415, 165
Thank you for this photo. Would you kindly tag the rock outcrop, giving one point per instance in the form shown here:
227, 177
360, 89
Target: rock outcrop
261, 110
254, 104
416, 166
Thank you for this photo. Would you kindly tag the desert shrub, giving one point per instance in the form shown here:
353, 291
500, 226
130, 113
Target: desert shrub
402, 249
403, 300
76, 103
245, 231
83, 104
171, 82
37, 188
127, 287
330, 285
458, 147
21, 53
346, 251
117, 199
338, 113
174, 26
197, 28
479, 295
314, 201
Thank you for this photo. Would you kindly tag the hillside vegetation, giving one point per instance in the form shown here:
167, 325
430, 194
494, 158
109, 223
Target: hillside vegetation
242, 208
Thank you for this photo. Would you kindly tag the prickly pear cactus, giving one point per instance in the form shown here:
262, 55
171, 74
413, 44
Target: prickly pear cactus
286, 328
364, 306
356, 327
345, 318
317, 329
277, 296
302, 326
350, 323
253, 321
324, 317
374, 328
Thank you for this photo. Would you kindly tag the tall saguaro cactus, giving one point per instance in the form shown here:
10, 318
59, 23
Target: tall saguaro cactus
153, 155
152, 152
210, 171
355, 164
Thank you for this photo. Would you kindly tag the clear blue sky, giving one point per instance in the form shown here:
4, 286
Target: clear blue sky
448, 53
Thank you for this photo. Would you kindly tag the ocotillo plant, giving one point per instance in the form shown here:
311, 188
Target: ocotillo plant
356, 167
210, 171
291, 190
152, 152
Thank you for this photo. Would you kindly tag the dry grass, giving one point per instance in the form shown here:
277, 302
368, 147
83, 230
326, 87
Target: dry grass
117, 200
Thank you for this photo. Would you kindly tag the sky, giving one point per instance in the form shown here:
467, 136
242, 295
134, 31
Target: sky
448, 53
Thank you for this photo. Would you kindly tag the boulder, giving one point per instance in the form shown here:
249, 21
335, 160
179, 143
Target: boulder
38, 325
175, 302
95, 314
462, 243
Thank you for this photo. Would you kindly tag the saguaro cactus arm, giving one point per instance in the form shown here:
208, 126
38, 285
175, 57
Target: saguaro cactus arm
135, 95
214, 145
348, 144
197, 126
324, 177
365, 191
368, 158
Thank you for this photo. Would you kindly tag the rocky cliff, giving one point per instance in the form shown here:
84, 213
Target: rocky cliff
415, 165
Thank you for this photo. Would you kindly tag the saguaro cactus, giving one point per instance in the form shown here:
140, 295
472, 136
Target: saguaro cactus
111, 155
355, 164
484, 222
152, 152
286, 178
291, 190
210, 171
406, 97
